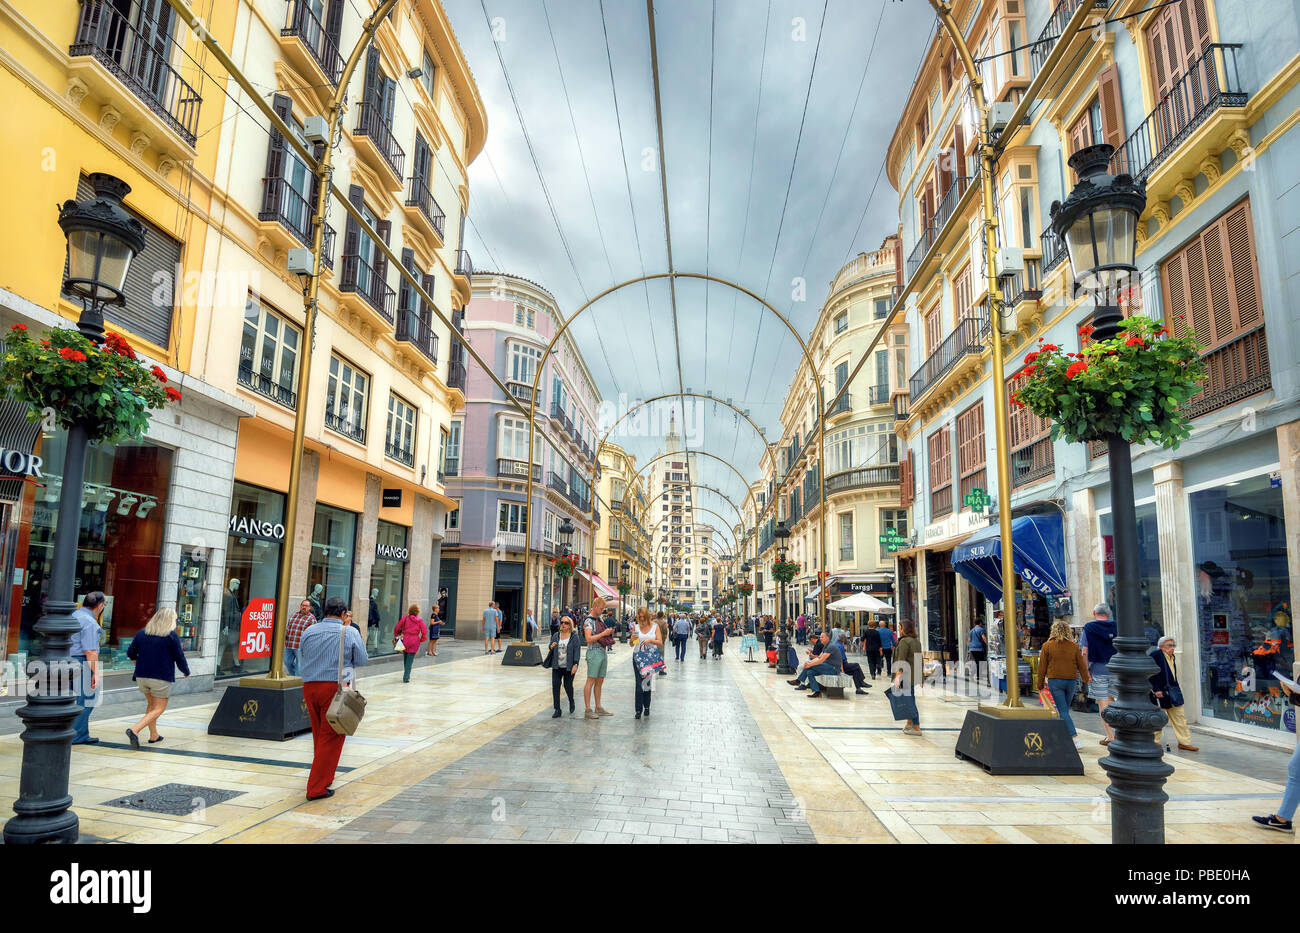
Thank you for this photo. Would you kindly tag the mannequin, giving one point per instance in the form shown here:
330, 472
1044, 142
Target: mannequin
231, 610
317, 598
373, 623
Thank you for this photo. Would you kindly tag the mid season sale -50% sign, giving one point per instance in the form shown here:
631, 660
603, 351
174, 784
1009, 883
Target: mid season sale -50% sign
256, 627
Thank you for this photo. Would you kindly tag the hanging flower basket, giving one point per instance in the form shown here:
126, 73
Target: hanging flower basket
1134, 385
745, 588
104, 388
624, 588
565, 565
784, 571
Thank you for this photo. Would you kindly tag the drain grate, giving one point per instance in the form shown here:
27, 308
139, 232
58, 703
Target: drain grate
174, 799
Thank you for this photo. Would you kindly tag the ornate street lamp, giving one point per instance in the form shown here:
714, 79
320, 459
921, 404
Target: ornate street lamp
626, 582
1098, 223
102, 240
782, 534
744, 597
566, 531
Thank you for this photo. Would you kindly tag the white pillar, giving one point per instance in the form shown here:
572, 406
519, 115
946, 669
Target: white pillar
1177, 582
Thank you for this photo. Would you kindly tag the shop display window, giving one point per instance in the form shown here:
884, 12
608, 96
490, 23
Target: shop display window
333, 554
1153, 614
387, 588
253, 552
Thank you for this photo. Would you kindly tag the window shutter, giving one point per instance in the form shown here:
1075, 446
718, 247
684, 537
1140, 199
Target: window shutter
1214, 281
352, 232
405, 300
334, 21
371, 92
1160, 38
1112, 110
384, 228
276, 153
426, 315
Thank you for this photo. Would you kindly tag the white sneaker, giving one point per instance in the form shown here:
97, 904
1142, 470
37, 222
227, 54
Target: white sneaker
1078, 742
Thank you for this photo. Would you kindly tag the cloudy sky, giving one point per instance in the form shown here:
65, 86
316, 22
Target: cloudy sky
776, 118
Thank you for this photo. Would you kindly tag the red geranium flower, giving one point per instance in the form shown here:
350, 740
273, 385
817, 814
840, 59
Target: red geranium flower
1086, 330
1031, 357
173, 394
158, 373
1048, 348
71, 355
18, 327
1030, 370
1075, 369
1134, 341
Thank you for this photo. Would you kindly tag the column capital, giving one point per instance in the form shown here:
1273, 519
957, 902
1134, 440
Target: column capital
1171, 471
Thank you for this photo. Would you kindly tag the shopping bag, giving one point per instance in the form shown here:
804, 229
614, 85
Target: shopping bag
1048, 701
903, 705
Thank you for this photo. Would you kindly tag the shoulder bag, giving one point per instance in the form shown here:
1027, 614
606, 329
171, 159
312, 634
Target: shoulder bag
348, 706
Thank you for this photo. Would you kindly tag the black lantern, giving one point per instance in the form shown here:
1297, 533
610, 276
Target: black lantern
782, 535
102, 240
1098, 223
566, 534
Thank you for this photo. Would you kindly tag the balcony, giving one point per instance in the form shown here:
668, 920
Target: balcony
862, 478
284, 207
521, 391
374, 137
400, 454
347, 426
557, 482
965, 341
518, 469
842, 407
423, 209
1033, 462
416, 333
510, 540
902, 403
360, 278
455, 374
267, 387
1054, 252
1054, 28
464, 265
934, 229
1234, 371
1211, 84
451, 537
308, 48
878, 395
140, 63
451, 466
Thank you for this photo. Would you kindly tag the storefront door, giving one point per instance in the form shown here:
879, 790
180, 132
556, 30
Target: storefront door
387, 586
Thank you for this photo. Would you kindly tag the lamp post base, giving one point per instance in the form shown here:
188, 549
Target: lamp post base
273, 713
522, 654
1003, 744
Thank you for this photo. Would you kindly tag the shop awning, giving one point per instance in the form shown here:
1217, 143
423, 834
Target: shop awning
603, 588
1037, 553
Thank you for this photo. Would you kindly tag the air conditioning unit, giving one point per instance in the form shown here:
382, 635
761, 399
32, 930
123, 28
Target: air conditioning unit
316, 130
1009, 261
300, 261
999, 116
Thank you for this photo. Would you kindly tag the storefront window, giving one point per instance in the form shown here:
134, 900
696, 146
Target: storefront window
387, 587
119, 549
253, 552
1243, 602
1153, 615
333, 544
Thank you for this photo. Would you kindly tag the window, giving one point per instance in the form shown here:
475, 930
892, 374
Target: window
841, 322
428, 71
940, 444
933, 330
512, 439
880, 391
268, 354
399, 438
970, 450
451, 518
846, 536
881, 309
524, 316
1031, 446
896, 519
523, 362
451, 460
345, 400
512, 516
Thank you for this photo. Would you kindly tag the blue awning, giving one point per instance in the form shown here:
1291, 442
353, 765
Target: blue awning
1037, 553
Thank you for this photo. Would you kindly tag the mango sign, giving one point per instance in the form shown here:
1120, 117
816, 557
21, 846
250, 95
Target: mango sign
256, 627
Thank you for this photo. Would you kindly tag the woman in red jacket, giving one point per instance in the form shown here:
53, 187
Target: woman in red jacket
410, 629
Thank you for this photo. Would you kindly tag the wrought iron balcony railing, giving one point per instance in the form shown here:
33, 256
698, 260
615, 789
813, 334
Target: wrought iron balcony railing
399, 453
140, 62
863, 477
420, 197
1054, 29
456, 374
966, 338
304, 24
902, 406
361, 278
1053, 250
345, 425
930, 233
840, 407
464, 265
518, 468
410, 329
283, 203
371, 123
1024, 286
266, 386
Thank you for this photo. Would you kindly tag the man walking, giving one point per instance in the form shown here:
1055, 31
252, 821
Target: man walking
599, 640
489, 626
85, 651
979, 651
681, 634
1098, 647
871, 646
719, 637
319, 658
298, 622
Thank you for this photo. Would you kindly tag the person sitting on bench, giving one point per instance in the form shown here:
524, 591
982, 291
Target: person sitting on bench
832, 661
855, 671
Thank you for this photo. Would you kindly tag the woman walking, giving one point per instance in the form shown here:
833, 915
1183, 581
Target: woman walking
649, 648
435, 631
1060, 664
157, 653
1168, 693
410, 631
564, 664
908, 665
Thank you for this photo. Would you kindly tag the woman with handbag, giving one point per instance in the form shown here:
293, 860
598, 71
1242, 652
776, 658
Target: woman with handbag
562, 659
1168, 694
1060, 667
409, 634
907, 676
647, 659
329, 654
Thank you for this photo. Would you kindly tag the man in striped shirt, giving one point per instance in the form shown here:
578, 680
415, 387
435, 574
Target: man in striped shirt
293, 636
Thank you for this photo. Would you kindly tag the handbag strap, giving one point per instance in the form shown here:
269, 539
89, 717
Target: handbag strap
343, 631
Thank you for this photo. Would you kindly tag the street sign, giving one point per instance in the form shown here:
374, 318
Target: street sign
977, 499
893, 540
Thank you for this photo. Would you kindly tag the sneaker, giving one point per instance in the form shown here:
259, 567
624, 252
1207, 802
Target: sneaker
1078, 742
601, 711
590, 714
1272, 822
911, 730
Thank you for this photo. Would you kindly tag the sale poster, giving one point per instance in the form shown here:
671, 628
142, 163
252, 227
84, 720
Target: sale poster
256, 627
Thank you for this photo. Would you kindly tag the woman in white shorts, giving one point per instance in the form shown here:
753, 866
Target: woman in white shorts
157, 652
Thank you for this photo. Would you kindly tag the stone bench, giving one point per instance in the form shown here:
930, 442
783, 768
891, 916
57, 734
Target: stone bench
833, 684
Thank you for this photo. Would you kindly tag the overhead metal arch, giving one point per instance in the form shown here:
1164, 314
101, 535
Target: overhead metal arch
693, 453
731, 535
718, 492
672, 276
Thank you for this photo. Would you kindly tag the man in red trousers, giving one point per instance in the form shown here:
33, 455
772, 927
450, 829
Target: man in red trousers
318, 660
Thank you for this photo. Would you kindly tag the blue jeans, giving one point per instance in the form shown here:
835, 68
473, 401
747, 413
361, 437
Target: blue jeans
679, 649
1063, 692
81, 686
291, 661
1291, 796
811, 674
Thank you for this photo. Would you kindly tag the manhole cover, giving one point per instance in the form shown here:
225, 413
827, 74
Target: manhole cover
176, 799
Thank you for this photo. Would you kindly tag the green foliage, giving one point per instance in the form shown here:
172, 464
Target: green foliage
105, 388
784, 571
1133, 385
